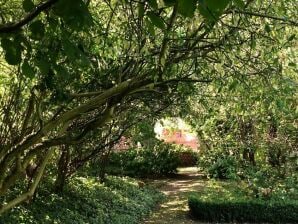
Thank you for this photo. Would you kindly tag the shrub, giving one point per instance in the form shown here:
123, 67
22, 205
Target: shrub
161, 160
243, 211
224, 168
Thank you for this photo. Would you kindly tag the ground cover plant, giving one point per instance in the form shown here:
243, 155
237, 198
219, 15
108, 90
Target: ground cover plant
86, 200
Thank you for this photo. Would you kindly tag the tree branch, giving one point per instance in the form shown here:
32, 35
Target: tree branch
294, 23
189, 80
165, 42
29, 194
11, 27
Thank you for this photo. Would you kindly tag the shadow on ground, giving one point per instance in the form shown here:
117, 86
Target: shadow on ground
177, 188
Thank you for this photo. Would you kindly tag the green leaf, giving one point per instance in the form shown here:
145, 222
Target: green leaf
170, 2
150, 27
74, 53
28, 70
292, 64
211, 10
28, 5
75, 14
233, 85
37, 30
62, 73
69, 49
267, 28
239, 3
253, 43
292, 37
12, 50
156, 20
162, 62
141, 10
43, 66
49, 81
6, 44
280, 104
13, 58
153, 4
217, 5
187, 7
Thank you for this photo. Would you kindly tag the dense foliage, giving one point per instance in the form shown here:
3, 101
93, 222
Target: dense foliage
76, 75
163, 159
85, 200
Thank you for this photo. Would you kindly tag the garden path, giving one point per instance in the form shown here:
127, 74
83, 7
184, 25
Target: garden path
174, 210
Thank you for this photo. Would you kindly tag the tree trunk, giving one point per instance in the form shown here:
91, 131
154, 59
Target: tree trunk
251, 156
104, 161
247, 134
274, 152
62, 169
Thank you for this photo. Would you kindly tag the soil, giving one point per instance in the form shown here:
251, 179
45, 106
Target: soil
174, 210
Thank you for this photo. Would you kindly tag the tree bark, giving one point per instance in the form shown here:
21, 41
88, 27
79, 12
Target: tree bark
104, 161
63, 164
26, 196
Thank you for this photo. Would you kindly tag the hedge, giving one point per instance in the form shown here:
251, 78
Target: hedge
255, 211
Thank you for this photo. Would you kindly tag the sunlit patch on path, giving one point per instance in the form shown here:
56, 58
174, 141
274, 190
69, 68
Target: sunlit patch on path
175, 210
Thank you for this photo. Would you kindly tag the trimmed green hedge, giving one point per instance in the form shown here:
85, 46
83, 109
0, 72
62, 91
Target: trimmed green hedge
243, 211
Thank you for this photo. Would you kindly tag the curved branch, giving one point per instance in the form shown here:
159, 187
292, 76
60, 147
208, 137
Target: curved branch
186, 80
30, 192
11, 27
165, 42
291, 22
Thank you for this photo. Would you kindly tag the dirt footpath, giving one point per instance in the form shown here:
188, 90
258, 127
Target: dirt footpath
174, 210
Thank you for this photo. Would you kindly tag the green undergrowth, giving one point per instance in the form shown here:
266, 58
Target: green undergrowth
232, 201
86, 200
160, 160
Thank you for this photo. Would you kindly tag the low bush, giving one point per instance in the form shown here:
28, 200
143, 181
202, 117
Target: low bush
223, 168
160, 160
266, 182
243, 211
85, 200
218, 163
